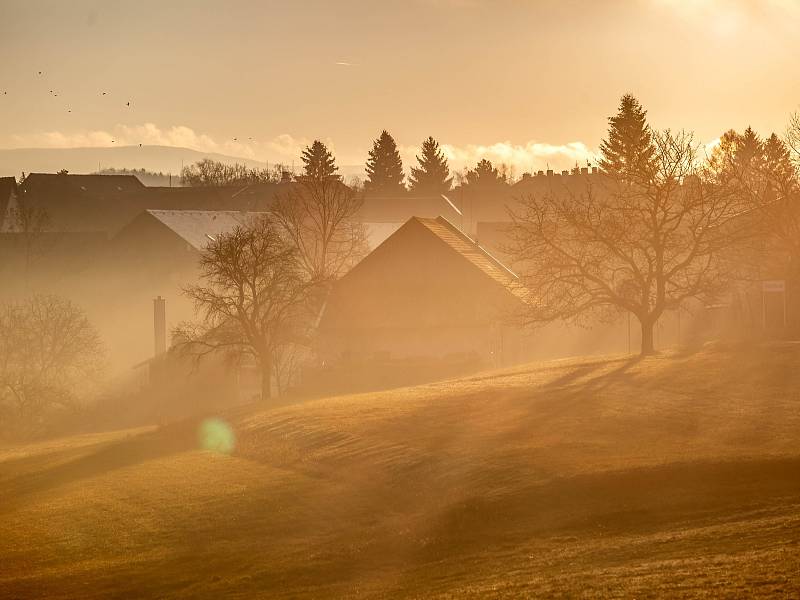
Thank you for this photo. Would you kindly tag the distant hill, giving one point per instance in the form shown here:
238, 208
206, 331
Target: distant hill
164, 159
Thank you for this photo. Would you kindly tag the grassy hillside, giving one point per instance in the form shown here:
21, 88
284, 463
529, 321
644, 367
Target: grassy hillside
601, 478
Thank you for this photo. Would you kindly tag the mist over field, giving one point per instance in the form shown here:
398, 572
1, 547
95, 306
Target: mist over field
433, 299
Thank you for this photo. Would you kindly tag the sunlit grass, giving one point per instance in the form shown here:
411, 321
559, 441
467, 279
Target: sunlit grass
676, 474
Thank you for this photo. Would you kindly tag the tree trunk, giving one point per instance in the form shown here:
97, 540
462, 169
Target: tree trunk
647, 338
266, 377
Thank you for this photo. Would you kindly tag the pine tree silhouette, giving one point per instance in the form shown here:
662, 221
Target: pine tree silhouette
628, 152
485, 175
749, 150
778, 163
318, 162
384, 167
433, 174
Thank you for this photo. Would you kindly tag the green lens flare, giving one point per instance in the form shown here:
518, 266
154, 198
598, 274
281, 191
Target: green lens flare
215, 435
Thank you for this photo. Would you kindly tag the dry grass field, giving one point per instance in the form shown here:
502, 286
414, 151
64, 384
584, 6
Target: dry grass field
676, 476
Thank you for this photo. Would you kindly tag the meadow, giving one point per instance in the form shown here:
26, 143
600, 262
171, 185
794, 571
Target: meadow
677, 475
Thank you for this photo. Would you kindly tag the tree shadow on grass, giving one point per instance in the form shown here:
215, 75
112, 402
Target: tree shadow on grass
108, 457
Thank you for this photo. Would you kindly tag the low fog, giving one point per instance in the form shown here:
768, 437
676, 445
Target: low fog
455, 369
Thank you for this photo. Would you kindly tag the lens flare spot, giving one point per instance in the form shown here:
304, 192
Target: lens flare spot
215, 435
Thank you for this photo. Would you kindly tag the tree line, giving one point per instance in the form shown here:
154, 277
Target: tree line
384, 171
665, 225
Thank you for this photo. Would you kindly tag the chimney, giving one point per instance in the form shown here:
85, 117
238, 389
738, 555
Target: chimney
160, 325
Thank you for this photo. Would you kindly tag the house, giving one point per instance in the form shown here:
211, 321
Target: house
8, 202
428, 295
159, 239
106, 203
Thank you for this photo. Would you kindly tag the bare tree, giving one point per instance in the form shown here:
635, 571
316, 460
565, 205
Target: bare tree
212, 173
641, 247
49, 354
252, 300
793, 137
318, 216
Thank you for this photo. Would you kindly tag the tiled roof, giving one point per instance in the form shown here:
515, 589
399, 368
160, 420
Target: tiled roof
199, 227
474, 252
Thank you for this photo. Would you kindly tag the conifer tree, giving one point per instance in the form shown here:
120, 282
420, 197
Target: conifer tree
485, 175
433, 174
318, 162
628, 153
749, 150
778, 162
384, 167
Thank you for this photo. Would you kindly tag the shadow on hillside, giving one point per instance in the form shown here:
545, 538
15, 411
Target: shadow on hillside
108, 457
628, 501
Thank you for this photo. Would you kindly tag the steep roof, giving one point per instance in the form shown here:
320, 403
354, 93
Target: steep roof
199, 227
92, 184
457, 241
472, 251
109, 202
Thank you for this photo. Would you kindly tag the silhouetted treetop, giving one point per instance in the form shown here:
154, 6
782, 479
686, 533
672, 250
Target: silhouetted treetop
433, 174
628, 152
485, 175
318, 162
384, 167
212, 173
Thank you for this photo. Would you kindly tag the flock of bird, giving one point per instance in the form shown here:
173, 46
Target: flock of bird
54, 94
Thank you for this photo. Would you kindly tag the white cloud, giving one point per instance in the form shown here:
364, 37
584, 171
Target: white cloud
287, 148
531, 156
283, 148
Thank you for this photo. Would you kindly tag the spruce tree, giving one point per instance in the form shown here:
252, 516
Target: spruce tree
628, 153
433, 174
318, 162
777, 163
749, 150
485, 175
384, 167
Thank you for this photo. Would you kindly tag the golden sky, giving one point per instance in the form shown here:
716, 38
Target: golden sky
527, 82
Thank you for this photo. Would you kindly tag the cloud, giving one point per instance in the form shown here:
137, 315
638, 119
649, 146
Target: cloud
287, 148
283, 148
531, 156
